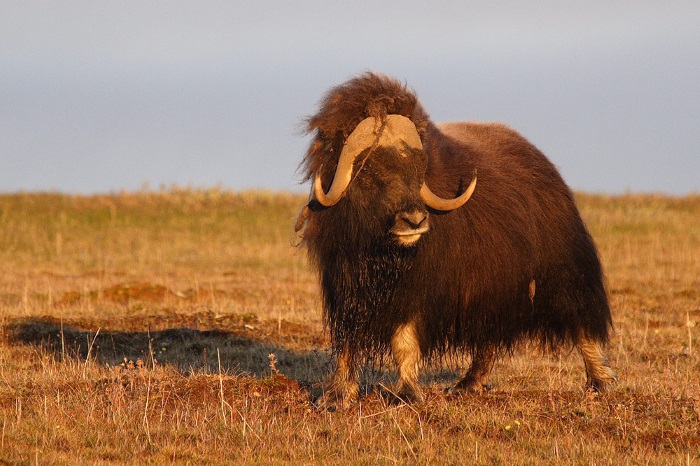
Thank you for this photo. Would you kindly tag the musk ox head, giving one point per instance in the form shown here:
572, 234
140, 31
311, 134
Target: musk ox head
381, 173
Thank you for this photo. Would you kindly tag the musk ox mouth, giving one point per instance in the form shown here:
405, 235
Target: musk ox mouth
410, 237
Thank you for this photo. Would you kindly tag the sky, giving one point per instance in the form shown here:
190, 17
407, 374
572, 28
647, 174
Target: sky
108, 96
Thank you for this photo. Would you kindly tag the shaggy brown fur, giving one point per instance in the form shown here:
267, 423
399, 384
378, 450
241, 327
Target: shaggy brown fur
515, 262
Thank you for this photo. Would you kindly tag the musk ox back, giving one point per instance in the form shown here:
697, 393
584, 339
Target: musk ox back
439, 239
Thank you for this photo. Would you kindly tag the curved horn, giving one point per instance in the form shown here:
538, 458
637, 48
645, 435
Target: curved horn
398, 130
341, 180
358, 141
438, 203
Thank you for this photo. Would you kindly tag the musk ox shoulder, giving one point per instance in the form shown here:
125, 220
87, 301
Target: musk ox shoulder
458, 238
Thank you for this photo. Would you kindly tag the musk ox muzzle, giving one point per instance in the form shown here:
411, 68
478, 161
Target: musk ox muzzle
409, 226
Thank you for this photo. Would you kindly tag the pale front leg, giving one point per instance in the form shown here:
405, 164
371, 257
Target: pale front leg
405, 348
599, 375
343, 388
475, 379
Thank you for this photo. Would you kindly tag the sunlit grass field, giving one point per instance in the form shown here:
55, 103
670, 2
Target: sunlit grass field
183, 326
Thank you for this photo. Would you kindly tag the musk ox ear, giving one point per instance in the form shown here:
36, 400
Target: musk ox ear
438, 203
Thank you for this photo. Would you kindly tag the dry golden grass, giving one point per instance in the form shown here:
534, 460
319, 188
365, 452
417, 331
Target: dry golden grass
181, 326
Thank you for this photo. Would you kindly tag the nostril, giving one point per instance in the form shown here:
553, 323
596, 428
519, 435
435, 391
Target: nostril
414, 219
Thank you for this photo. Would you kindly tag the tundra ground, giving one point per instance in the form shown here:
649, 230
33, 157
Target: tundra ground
182, 326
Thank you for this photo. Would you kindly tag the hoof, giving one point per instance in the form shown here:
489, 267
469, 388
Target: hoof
404, 395
599, 386
605, 380
409, 397
468, 389
333, 398
331, 402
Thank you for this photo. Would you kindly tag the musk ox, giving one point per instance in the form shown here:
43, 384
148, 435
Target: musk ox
431, 240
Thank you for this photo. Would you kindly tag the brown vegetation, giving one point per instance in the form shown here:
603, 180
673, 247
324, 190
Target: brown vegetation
182, 326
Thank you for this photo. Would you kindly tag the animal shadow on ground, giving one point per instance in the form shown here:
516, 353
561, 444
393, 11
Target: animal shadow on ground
248, 350
238, 350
